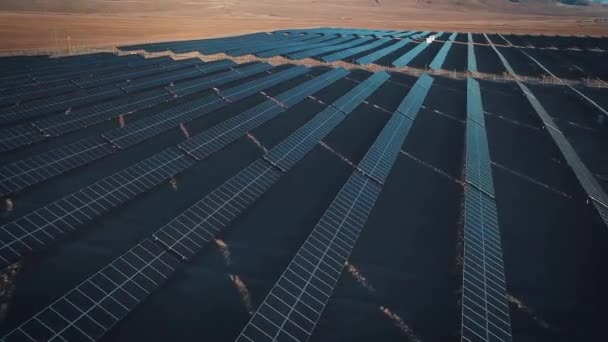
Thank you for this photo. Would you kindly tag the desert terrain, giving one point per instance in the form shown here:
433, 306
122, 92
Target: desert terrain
46, 25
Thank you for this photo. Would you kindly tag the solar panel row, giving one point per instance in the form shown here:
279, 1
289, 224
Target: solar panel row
353, 98
287, 153
353, 51
471, 59
478, 169
56, 104
241, 51
437, 62
334, 40
376, 55
15, 136
96, 305
32, 232
485, 308
322, 50
200, 84
26, 172
379, 159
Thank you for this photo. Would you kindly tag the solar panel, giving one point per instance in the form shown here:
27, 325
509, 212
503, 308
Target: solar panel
326, 49
190, 231
92, 82
148, 127
376, 55
29, 93
26, 172
437, 62
239, 51
302, 91
286, 50
226, 132
485, 309
61, 124
415, 98
295, 303
59, 103
478, 168
200, 84
169, 77
353, 51
97, 304
353, 98
292, 149
410, 55
16, 136
241, 91
405, 34
32, 232
420, 35
160, 79
592, 187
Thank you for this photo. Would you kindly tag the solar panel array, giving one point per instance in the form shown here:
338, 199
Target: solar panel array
485, 308
102, 300
297, 300
85, 117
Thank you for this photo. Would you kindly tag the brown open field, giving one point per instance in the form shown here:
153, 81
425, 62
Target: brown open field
47, 24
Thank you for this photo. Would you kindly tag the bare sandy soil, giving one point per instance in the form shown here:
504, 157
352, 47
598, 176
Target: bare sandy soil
47, 24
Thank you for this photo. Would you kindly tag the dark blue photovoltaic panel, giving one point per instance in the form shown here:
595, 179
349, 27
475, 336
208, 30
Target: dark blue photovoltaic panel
322, 50
294, 305
226, 132
357, 95
291, 150
379, 159
353, 51
376, 55
83, 117
59, 103
190, 231
299, 93
17, 136
92, 308
26, 172
471, 59
485, 308
241, 91
148, 127
286, 50
19, 95
200, 84
437, 62
34, 231
416, 96
238, 51
478, 167
161, 79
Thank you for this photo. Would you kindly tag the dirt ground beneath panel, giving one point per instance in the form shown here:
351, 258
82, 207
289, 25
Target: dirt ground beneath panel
45, 24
